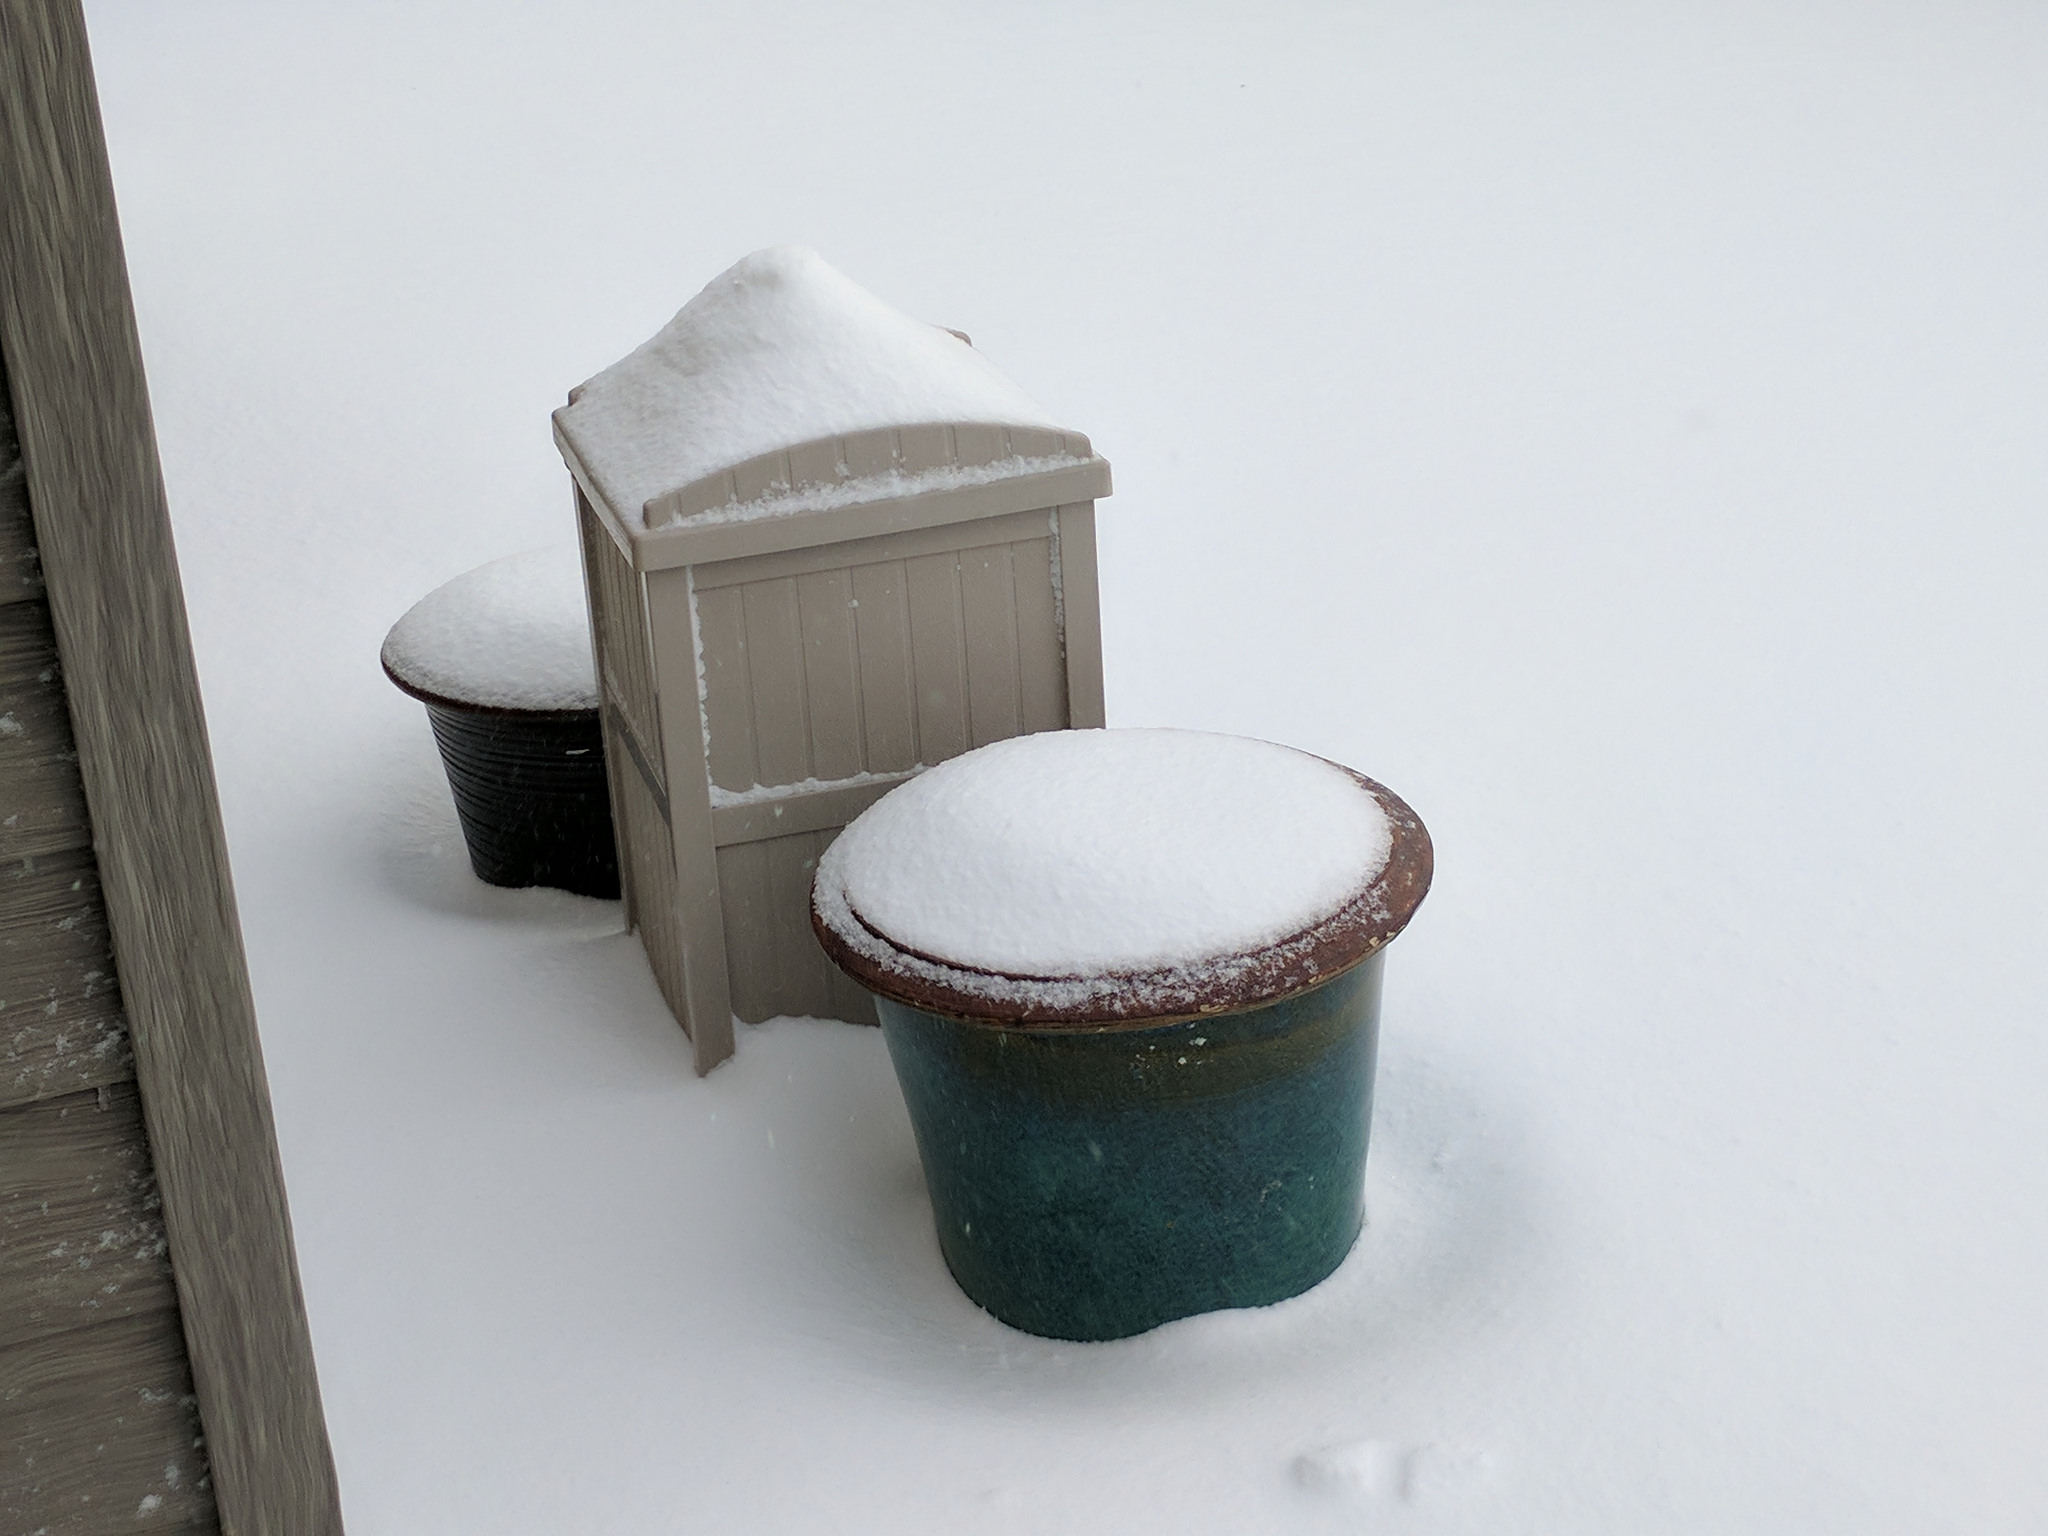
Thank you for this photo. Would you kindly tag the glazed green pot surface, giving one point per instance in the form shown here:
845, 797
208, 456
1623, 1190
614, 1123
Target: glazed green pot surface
1094, 1184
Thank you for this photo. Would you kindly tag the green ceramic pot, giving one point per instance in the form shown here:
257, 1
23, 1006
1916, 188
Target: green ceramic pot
1094, 1185
1104, 1157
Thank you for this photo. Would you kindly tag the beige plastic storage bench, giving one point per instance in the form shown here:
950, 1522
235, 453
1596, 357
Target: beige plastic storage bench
825, 545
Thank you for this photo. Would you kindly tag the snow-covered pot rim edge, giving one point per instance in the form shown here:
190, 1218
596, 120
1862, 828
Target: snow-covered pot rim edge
472, 707
1352, 934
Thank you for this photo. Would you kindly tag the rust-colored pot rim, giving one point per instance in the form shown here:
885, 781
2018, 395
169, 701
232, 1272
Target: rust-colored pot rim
435, 700
1354, 933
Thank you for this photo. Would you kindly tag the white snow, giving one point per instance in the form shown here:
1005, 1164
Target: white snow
779, 349
1617, 428
514, 634
1086, 853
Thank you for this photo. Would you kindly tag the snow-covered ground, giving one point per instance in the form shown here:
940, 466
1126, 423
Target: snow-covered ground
1622, 429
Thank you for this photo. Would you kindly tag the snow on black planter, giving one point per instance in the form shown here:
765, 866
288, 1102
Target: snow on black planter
501, 657
1130, 985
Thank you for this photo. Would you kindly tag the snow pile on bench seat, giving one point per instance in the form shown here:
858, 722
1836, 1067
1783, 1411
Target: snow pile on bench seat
779, 349
1096, 853
513, 634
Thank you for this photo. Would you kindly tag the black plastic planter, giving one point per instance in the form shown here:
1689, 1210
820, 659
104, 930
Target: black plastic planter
501, 658
531, 794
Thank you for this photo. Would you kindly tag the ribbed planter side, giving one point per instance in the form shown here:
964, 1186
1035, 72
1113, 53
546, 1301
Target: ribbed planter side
531, 794
1094, 1185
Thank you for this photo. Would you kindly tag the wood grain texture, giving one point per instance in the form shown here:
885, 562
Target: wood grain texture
61, 1027
81, 1226
67, 334
42, 799
99, 1434
21, 570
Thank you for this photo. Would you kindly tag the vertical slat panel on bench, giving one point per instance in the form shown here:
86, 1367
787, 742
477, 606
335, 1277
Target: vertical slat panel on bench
600, 601
831, 673
749, 932
722, 626
775, 670
845, 999
988, 606
1041, 665
882, 631
1082, 637
801, 967
704, 981
937, 656
619, 768
654, 886
619, 609
777, 966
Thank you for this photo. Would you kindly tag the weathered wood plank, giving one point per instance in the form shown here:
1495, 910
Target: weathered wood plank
831, 673
99, 1434
988, 604
882, 642
81, 1226
775, 671
937, 656
21, 570
1041, 665
61, 1028
42, 800
74, 369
